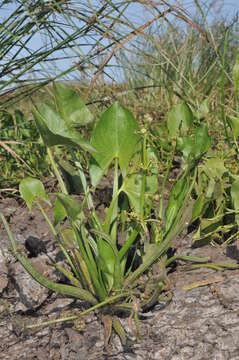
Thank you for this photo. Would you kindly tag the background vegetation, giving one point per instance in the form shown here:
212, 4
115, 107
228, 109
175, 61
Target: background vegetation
108, 50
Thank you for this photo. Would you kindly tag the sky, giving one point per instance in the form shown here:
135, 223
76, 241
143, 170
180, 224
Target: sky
227, 9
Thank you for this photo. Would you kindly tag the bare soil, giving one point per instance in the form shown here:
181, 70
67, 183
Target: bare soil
201, 321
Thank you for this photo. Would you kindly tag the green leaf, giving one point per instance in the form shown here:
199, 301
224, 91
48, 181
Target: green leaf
198, 207
106, 256
59, 212
180, 119
106, 261
195, 148
54, 130
204, 109
72, 207
32, 189
186, 146
132, 185
210, 188
202, 141
71, 107
115, 135
175, 201
214, 168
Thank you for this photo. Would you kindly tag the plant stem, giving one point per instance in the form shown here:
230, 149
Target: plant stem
86, 191
56, 171
55, 234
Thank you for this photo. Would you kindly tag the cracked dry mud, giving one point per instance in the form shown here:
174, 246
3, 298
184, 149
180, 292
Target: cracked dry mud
201, 323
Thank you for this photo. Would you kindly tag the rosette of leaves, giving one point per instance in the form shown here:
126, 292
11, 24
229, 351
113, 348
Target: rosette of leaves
102, 270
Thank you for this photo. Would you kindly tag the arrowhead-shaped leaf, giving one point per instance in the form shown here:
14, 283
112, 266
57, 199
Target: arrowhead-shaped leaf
54, 130
116, 135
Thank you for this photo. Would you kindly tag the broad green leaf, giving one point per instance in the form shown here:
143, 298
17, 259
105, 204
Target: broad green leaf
180, 119
106, 261
59, 212
202, 141
186, 146
54, 130
132, 185
32, 189
115, 135
72, 207
70, 106
235, 197
234, 124
106, 256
